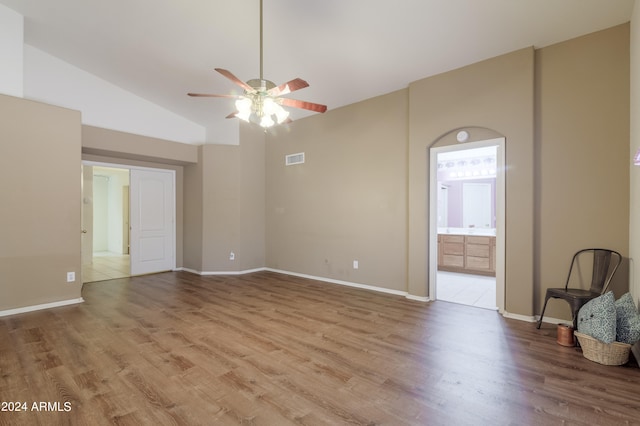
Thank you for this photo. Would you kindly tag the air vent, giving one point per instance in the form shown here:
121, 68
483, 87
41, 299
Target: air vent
292, 159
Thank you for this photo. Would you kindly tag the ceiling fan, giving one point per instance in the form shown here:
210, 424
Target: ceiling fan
262, 100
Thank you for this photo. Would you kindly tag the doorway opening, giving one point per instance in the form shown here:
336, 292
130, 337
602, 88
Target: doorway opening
128, 221
467, 224
105, 202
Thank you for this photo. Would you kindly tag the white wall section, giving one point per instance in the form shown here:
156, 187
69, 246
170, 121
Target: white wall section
11, 52
102, 104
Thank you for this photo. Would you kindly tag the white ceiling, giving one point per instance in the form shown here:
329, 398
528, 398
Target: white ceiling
348, 50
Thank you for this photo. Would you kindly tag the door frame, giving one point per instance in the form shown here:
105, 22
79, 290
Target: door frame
130, 167
500, 213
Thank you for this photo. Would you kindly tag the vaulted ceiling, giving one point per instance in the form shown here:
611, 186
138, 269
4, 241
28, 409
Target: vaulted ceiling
348, 50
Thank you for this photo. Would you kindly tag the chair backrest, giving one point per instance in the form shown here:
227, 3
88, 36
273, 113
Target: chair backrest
603, 268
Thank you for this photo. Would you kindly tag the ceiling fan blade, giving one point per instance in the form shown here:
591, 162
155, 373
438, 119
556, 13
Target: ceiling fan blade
210, 95
235, 79
303, 104
288, 87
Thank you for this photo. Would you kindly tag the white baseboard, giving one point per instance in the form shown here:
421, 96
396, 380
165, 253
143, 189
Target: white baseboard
418, 298
551, 320
349, 284
535, 318
40, 307
525, 318
312, 277
206, 273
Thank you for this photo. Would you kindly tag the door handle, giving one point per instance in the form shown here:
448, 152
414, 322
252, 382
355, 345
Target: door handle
84, 231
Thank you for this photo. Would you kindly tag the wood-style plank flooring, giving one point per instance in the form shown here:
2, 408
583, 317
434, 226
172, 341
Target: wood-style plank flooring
271, 349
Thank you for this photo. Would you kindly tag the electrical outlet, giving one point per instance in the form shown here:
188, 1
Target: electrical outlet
232, 256
355, 264
71, 277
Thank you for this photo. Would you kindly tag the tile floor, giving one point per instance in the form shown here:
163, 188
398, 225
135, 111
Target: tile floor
466, 289
106, 266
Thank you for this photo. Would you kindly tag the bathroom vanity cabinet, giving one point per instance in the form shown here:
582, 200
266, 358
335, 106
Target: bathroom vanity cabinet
469, 254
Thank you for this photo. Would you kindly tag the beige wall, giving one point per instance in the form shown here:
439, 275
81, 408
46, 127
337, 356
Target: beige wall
193, 214
225, 206
496, 94
361, 195
220, 206
348, 201
634, 216
112, 143
40, 181
582, 155
118, 148
363, 191
252, 199
219, 199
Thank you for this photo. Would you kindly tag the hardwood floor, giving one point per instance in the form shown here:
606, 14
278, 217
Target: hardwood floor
270, 349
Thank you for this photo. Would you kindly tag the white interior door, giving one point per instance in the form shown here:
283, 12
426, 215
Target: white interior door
152, 221
126, 227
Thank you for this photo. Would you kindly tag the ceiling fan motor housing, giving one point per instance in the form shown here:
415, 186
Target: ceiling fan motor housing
261, 85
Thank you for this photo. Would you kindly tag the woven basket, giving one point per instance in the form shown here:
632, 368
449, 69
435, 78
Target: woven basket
615, 353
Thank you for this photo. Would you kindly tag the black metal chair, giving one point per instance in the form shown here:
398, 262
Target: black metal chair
603, 271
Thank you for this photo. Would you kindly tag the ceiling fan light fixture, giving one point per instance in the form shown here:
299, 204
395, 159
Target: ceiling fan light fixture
281, 114
268, 106
266, 121
244, 116
244, 106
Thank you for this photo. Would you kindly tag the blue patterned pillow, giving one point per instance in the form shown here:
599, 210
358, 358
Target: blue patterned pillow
627, 320
597, 318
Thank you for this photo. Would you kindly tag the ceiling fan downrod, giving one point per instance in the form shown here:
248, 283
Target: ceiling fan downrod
262, 101
261, 44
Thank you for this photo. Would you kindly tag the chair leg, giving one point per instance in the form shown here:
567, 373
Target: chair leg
575, 321
546, 299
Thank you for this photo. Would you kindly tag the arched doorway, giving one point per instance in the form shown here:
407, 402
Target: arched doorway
473, 243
